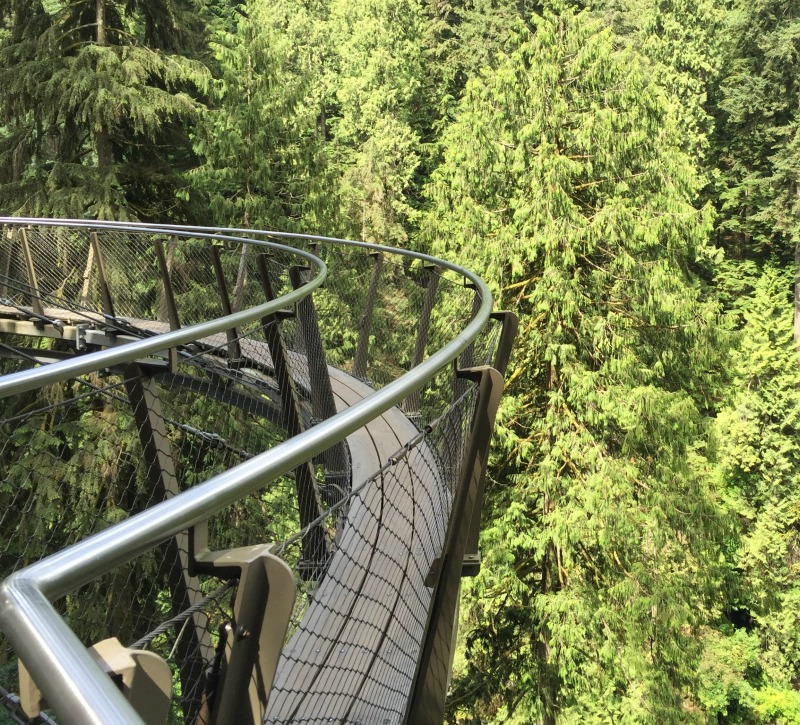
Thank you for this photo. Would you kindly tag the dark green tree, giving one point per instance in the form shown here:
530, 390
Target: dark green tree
96, 104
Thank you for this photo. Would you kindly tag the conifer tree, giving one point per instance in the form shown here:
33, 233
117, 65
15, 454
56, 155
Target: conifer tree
376, 82
681, 40
752, 663
565, 185
758, 141
263, 143
95, 106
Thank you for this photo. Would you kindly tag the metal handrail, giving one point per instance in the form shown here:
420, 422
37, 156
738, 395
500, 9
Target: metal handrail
69, 678
20, 382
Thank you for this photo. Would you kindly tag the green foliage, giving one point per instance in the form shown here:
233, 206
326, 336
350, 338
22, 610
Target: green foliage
377, 93
572, 148
95, 109
759, 470
757, 143
268, 98
680, 40
563, 183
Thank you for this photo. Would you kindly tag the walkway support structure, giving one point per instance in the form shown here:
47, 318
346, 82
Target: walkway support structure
209, 458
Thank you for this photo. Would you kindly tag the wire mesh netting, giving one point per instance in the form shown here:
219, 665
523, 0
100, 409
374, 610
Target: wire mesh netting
361, 524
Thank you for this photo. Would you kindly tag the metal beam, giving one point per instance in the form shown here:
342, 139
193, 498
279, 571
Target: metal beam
33, 282
411, 404
508, 332
426, 704
335, 459
254, 638
365, 321
309, 500
234, 350
194, 647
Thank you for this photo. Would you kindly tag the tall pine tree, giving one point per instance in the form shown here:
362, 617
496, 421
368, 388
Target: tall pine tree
263, 143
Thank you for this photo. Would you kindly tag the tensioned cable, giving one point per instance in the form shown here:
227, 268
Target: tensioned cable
94, 390
185, 614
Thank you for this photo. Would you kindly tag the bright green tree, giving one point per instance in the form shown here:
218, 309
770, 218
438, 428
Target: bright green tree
752, 663
565, 185
377, 94
95, 107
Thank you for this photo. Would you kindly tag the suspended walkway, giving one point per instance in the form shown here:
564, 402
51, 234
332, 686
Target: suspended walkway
241, 473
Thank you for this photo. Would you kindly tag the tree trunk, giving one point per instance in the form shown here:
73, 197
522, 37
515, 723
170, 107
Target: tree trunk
102, 140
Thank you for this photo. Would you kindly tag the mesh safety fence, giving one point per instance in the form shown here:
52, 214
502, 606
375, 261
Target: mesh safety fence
79, 455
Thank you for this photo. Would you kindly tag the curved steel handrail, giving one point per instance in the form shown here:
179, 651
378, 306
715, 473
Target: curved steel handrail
25, 380
69, 678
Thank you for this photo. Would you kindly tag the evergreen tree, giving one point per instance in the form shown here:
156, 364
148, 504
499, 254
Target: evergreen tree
565, 185
95, 107
757, 143
263, 144
752, 664
376, 82
681, 39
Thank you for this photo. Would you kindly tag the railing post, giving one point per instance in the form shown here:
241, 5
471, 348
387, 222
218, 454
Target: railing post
412, 402
36, 302
166, 278
472, 558
6, 271
253, 639
102, 278
309, 501
234, 351
194, 646
426, 703
365, 322
323, 404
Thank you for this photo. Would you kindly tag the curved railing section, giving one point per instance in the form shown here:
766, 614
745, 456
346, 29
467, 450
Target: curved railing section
197, 424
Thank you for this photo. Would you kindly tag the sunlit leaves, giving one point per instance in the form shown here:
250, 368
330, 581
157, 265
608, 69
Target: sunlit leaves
565, 185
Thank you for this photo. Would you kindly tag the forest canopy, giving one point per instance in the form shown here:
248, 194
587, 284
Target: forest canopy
625, 174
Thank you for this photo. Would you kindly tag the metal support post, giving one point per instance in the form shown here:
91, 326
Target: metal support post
411, 403
6, 260
309, 501
234, 351
102, 278
426, 703
365, 322
253, 640
194, 646
453, 453
34, 295
509, 324
166, 278
323, 404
